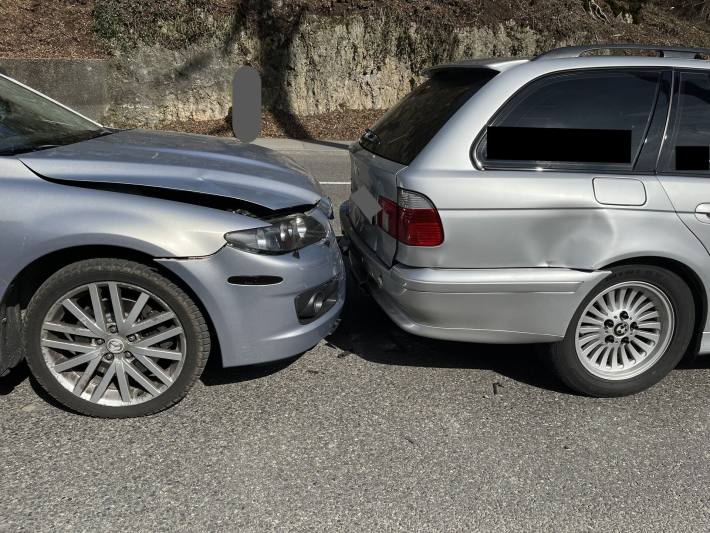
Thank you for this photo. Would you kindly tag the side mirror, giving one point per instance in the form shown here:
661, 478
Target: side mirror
246, 104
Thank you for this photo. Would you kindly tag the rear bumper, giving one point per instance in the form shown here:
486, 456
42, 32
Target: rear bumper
259, 323
507, 305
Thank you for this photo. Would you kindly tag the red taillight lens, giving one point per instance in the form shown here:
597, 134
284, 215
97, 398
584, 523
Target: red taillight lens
413, 220
420, 227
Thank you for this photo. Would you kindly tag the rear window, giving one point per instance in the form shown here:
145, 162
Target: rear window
408, 127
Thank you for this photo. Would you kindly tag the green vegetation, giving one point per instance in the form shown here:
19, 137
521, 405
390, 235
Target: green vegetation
181, 24
174, 24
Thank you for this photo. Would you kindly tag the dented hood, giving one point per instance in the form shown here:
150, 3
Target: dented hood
192, 163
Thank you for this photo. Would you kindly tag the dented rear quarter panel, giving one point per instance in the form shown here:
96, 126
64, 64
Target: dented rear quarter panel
508, 219
513, 219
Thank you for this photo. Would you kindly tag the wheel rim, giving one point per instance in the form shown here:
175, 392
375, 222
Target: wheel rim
625, 330
113, 344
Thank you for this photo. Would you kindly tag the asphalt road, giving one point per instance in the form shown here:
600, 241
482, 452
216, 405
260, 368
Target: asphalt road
371, 430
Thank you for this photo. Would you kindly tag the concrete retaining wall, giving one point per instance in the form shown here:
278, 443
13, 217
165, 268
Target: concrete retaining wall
82, 84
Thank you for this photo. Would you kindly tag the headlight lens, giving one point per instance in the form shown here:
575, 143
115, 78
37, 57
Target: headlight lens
285, 234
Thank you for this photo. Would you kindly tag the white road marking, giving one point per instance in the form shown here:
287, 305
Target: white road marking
334, 182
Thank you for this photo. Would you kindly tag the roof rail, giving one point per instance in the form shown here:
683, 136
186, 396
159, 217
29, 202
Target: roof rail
661, 50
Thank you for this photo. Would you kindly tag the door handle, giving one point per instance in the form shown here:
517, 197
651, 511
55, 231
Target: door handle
703, 209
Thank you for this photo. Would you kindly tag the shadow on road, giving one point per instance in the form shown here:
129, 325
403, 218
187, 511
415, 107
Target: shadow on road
17, 375
215, 374
367, 332
695, 362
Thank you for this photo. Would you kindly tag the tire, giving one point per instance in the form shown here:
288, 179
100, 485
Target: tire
168, 326
590, 364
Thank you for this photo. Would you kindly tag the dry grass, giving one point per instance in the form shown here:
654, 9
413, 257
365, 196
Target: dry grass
339, 125
48, 29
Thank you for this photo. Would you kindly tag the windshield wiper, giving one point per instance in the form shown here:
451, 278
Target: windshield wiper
44, 147
106, 131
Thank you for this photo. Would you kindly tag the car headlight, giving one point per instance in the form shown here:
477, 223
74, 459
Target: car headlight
285, 234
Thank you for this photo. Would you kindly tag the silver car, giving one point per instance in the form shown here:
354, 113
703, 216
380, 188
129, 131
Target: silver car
563, 200
127, 256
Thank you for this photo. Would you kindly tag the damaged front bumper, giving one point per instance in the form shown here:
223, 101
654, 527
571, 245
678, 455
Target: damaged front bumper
267, 307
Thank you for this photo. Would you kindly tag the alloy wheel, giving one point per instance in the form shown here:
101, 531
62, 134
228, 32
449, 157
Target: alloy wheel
625, 330
113, 344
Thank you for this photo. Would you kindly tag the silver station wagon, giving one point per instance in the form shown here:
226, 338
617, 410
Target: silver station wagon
563, 199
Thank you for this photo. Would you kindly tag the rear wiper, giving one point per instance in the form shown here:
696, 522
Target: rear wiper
371, 136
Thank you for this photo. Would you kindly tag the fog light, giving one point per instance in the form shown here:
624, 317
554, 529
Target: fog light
317, 301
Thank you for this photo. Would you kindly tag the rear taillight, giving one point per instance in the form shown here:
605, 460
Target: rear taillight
413, 220
419, 222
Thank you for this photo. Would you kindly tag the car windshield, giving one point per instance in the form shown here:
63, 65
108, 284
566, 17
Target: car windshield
30, 122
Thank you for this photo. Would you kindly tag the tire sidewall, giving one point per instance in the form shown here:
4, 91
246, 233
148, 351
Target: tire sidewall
571, 369
142, 276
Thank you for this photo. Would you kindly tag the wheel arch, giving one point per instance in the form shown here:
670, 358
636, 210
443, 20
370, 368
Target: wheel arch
689, 276
26, 283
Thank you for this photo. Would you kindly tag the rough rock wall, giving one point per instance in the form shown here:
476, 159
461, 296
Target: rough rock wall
325, 64
151, 62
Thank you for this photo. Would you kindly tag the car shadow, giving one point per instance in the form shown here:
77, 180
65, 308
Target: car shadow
18, 376
367, 332
695, 362
14, 378
215, 374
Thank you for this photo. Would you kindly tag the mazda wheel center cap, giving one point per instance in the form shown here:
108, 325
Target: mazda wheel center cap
115, 346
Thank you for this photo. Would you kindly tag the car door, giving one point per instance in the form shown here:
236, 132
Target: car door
684, 167
563, 168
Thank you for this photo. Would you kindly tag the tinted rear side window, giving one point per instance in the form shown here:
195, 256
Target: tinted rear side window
688, 147
593, 118
408, 127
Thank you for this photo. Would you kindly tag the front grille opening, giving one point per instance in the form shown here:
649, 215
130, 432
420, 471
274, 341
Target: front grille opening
255, 280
